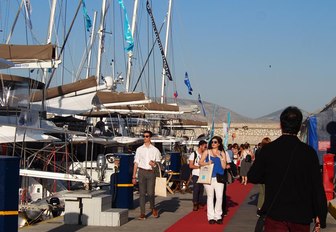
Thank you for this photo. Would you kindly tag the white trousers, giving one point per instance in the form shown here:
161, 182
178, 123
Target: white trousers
214, 212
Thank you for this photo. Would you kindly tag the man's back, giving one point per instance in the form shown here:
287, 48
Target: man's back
301, 196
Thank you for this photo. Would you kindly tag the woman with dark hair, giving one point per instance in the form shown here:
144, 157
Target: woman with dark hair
214, 154
246, 162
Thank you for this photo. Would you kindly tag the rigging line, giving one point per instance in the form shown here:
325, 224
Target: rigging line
65, 41
143, 68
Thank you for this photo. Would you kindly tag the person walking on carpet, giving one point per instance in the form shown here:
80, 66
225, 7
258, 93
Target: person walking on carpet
261, 195
214, 154
290, 170
194, 158
145, 160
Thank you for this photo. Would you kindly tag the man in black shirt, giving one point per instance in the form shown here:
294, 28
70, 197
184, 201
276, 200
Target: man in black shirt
290, 170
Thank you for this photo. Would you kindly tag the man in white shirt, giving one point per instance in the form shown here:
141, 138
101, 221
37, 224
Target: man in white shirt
146, 157
194, 158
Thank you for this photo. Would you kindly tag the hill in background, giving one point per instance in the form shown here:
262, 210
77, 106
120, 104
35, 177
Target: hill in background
221, 113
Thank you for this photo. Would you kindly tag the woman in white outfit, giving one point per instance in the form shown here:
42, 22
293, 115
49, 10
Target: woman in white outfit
214, 154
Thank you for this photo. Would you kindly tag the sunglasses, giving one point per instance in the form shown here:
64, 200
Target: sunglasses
215, 142
146, 136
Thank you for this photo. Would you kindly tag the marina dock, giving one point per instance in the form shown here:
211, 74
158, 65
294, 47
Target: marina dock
172, 208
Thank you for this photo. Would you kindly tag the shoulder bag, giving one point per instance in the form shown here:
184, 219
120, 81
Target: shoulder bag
205, 174
160, 184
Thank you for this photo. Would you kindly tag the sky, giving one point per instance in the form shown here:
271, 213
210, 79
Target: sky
253, 57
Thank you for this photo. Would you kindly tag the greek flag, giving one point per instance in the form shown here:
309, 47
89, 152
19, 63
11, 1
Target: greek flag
88, 23
175, 94
127, 29
202, 106
187, 82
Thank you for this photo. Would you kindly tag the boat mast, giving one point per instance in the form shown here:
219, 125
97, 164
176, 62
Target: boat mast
165, 51
130, 54
50, 28
101, 38
91, 43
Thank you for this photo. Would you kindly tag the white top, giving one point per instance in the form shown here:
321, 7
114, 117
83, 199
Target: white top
144, 155
244, 154
195, 172
228, 158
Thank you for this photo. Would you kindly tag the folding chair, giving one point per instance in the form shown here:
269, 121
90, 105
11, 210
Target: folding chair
182, 182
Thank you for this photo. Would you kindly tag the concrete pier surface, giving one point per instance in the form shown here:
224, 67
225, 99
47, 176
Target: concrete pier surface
172, 208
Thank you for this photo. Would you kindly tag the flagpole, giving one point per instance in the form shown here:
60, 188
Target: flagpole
91, 43
212, 132
101, 38
130, 54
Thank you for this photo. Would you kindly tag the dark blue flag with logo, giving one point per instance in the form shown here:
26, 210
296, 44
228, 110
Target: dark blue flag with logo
187, 82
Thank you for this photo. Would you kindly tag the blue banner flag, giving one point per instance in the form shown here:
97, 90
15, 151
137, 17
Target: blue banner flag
127, 29
187, 82
88, 23
202, 106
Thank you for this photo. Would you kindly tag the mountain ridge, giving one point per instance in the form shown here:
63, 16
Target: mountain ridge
221, 113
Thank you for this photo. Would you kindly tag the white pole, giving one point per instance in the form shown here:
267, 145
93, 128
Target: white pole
101, 37
130, 55
50, 28
165, 51
51, 20
91, 42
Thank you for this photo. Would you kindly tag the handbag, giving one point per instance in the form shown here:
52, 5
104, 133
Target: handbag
205, 174
222, 178
227, 177
160, 184
248, 158
260, 225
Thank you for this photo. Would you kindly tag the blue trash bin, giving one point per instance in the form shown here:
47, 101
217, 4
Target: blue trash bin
121, 183
9, 193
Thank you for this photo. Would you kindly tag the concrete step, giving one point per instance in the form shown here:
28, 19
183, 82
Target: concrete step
93, 210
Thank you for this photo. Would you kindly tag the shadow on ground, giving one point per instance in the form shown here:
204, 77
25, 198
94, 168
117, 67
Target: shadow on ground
170, 205
253, 199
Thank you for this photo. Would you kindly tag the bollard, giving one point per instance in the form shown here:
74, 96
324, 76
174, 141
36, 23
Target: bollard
9, 193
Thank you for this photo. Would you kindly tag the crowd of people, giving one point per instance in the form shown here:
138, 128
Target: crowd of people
284, 204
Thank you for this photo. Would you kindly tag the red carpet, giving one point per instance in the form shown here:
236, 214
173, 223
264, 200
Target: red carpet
197, 221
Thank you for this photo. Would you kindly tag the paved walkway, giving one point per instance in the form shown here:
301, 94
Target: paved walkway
172, 208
